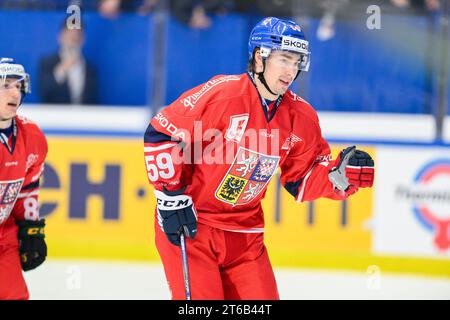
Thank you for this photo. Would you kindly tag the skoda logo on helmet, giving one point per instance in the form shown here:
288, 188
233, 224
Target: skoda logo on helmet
294, 44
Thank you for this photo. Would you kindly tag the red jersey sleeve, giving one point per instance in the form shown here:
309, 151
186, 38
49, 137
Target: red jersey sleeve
26, 206
171, 135
304, 173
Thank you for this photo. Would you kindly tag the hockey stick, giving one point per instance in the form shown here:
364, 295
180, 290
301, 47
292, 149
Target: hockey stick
187, 286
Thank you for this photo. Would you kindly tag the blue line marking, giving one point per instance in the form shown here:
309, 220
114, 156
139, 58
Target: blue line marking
103, 133
389, 142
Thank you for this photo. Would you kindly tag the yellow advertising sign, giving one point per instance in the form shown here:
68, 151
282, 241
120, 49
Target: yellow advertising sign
98, 204
297, 232
97, 200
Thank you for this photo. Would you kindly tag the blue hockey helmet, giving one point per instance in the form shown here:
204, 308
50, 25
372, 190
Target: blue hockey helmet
277, 34
10, 69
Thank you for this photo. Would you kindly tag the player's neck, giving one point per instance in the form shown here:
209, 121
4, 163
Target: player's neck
265, 94
5, 123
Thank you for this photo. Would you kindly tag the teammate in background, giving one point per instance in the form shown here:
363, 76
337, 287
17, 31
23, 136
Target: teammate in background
22, 155
256, 124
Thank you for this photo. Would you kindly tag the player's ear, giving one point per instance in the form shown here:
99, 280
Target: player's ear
258, 64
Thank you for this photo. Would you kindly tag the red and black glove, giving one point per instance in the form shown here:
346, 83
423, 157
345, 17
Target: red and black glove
354, 169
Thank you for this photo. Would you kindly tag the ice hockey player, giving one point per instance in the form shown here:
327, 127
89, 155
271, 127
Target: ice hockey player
22, 155
245, 126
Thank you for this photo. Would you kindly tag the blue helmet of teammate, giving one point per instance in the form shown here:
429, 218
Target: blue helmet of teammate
277, 34
10, 69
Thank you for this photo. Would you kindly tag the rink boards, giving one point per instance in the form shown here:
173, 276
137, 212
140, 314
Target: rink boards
98, 204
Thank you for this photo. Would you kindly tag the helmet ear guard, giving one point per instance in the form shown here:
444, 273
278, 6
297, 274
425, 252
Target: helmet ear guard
265, 52
260, 75
305, 62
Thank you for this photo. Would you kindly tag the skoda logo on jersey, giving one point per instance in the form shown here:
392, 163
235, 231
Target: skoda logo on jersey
432, 200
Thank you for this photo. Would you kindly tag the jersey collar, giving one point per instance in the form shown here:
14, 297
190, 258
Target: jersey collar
4, 137
263, 102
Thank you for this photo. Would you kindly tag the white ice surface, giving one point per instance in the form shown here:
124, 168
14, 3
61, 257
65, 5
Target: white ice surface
72, 279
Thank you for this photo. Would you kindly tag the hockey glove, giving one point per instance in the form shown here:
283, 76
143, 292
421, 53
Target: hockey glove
176, 214
32, 247
354, 169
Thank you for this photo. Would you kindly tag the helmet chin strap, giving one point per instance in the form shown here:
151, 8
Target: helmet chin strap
263, 80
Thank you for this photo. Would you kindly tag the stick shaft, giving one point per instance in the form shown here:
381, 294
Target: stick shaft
187, 285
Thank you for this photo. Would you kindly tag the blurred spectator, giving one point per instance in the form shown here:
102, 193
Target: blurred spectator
332, 9
276, 8
326, 29
65, 76
429, 5
29, 4
195, 13
112, 8
109, 8
44, 4
433, 5
147, 6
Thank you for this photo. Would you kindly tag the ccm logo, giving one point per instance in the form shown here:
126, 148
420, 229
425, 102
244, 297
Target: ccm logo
297, 44
173, 204
35, 231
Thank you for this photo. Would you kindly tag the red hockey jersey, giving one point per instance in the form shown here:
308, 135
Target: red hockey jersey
232, 145
22, 158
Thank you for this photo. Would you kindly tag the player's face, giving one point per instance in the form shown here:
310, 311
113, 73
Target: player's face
281, 69
9, 98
